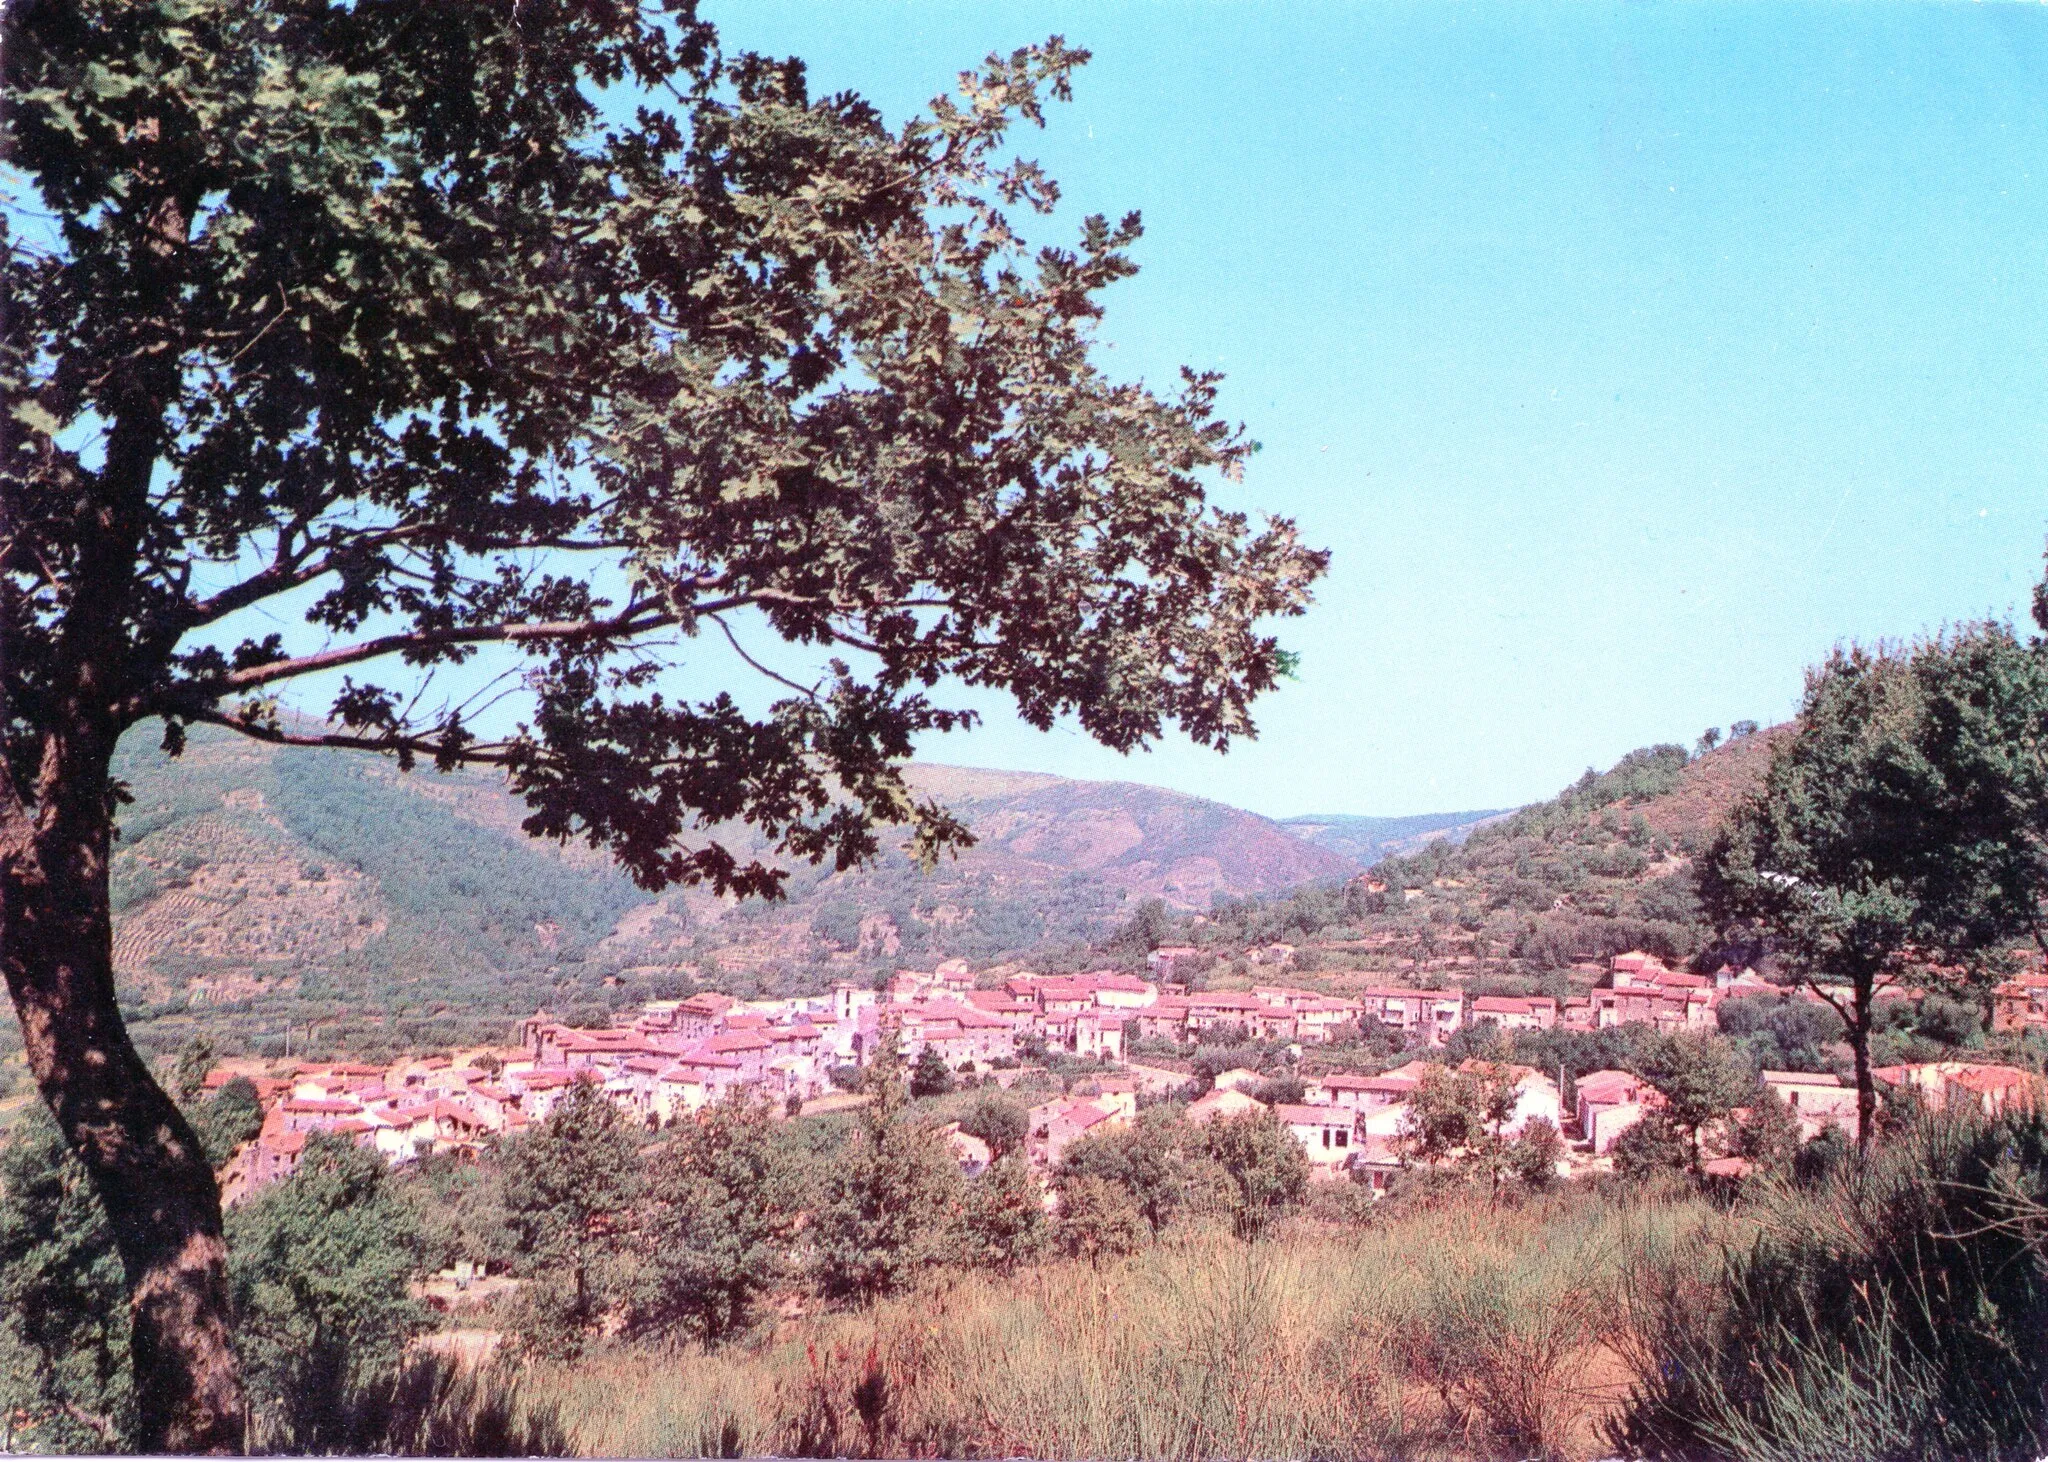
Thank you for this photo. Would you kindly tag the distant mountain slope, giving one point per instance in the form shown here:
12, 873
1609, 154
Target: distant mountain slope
1366, 840
265, 886
1145, 840
1605, 865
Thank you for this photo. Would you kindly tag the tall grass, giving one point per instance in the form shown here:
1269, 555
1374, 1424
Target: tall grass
1460, 1332
1899, 1311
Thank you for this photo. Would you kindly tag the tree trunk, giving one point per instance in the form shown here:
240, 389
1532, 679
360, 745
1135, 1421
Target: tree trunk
161, 1200
1866, 1085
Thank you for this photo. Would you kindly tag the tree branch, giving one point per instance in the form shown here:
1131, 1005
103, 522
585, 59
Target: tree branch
623, 626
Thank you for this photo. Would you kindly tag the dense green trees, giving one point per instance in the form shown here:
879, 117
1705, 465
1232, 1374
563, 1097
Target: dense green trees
723, 1207
930, 1076
570, 1184
1701, 1080
1000, 1121
63, 1319
320, 1265
889, 1207
1899, 828
1004, 1224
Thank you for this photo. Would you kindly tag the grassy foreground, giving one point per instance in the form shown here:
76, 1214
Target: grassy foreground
1459, 1332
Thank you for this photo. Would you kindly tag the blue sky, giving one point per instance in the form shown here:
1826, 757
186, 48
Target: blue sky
1627, 356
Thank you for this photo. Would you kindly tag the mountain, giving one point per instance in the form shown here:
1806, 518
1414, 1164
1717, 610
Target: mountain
261, 887
1366, 840
1604, 866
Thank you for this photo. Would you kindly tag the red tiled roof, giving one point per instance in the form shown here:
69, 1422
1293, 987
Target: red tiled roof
1299, 1116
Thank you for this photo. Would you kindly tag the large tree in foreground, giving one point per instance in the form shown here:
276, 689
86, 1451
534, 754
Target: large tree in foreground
540, 339
1899, 831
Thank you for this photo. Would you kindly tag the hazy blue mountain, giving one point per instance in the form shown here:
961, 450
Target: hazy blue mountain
1366, 840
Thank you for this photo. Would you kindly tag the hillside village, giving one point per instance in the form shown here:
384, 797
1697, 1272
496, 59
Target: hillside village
670, 1059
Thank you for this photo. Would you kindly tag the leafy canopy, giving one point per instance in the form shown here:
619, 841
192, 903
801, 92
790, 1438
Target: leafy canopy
542, 339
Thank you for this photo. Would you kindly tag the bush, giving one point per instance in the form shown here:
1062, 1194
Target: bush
1653, 1145
931, 1076
1098, 1219
1896, 1312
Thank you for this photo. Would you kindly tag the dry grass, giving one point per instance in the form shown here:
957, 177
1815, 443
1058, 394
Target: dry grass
1456, 1333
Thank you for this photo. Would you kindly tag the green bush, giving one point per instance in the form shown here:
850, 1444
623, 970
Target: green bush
1897, 1311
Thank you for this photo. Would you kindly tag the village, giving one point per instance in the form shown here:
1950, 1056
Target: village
668, 1059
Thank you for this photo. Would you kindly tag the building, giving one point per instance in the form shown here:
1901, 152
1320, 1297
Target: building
1515, 1012
1609, 1103
1817, 1100
1326, 1134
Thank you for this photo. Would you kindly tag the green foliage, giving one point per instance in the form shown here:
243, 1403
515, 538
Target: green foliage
1098, 1219
63, 1302
1004, 1223
930, 1076
228, 1118
1651, 1146
722, 1213
569, 1185
457, 1209
1150, 925
1533, 1155
1267, 1169
476, 890
1902, 823
195, 1059
889, 1206
1781, 1033
1896, 1312
1768, 1134
1701, 1081
319, 1265
1000, 1121
1160, 1162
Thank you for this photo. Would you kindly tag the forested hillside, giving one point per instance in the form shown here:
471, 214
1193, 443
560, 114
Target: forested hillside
260, 888
1605, 866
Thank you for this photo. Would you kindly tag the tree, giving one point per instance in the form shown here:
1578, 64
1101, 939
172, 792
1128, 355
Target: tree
1701, 1081
1153, 1160
890, 1206
1901, 826
1097, 1219
930, 1076
1461, 1116
230, 1117
195, 1059
1004, 1224
320, 1265
1533, 1156
61, 1294
510, 345
721, 1222
1446, 1117
569, 1186
1000, 1121
1268, 1170
1768, 1134
1650, 1146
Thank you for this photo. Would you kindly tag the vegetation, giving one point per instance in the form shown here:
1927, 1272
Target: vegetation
1893, 1310
725, 1204
1897, 829
320, 1265
381, 316
569, 1184
1454, 1332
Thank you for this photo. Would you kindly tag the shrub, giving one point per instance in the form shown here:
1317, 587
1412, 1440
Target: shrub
1894, 1312
1098, 1219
